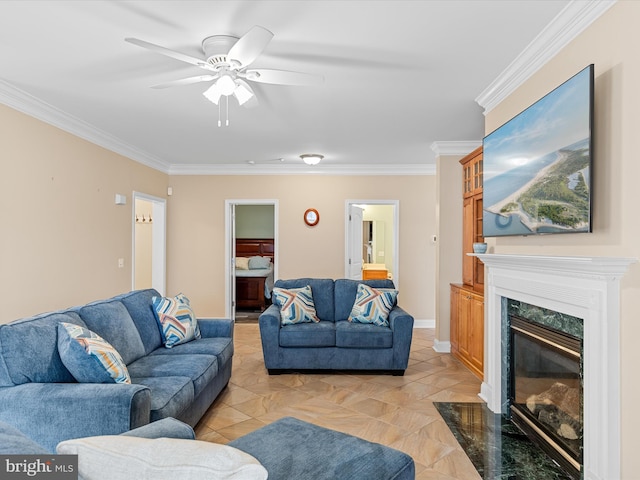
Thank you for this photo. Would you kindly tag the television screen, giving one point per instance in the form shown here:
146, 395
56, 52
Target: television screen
537, 165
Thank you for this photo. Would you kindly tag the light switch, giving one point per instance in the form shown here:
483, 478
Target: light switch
121, 263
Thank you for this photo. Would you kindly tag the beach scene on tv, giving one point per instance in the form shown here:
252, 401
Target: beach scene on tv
536, 166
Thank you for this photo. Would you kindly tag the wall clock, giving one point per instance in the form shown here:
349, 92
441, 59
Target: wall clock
311, 217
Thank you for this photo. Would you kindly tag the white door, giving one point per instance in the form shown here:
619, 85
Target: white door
355, 243
232, 259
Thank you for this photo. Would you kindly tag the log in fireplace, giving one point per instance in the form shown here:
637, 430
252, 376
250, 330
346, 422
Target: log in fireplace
545, 389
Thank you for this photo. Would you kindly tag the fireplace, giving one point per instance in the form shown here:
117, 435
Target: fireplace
587, 288
545, 381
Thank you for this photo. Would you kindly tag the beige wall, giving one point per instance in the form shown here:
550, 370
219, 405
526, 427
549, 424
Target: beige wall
611, 43
62, 233
196, 236
449, 239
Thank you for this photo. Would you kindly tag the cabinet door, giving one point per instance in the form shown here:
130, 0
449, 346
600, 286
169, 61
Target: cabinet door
454, 318
467, 241
464, 317
478, 266
476, 333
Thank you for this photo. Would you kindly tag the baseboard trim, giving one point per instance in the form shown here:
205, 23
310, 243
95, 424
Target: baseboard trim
442, 346
424, 324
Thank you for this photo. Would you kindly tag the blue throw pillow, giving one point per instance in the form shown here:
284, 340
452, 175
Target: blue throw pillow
258, 263
89, 357
372, 305
178, 323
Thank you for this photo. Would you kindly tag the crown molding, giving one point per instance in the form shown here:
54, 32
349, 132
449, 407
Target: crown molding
26, 103
455, 148
320, 169
566, 26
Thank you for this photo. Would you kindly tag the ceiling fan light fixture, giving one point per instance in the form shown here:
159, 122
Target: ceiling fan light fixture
311, 158
226, 84
213, 93
242, 94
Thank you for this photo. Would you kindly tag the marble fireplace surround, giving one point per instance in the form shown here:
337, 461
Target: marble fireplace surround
584, 287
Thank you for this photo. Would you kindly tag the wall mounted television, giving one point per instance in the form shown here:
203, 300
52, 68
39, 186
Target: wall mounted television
537, 166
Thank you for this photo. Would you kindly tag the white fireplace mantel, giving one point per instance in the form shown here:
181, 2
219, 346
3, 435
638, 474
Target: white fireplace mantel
584, 287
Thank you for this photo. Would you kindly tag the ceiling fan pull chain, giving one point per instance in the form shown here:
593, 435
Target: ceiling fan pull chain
219, 122
227, 111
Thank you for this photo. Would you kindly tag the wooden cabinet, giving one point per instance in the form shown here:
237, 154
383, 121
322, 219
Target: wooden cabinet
472, 268
467, 299
467, 328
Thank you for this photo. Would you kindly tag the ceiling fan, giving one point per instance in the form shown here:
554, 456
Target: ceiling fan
227, 59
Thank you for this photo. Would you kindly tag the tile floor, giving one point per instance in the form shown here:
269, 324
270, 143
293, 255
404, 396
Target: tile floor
394, 411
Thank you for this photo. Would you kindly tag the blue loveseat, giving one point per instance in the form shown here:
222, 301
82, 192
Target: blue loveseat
335, 343
40, 397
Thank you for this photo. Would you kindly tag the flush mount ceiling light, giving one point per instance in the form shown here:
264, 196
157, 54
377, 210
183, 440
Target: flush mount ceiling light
311, 158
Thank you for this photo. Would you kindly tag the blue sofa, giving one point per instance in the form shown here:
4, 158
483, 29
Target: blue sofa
335, 343
40, 397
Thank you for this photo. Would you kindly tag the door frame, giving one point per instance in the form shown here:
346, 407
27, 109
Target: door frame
396, 233
229, 247
159, 241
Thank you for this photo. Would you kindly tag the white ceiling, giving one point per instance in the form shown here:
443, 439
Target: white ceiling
399, 75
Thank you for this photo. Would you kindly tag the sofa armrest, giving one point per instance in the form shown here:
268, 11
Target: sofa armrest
216, 327
166, 427
51, 412
401, 324
269, 322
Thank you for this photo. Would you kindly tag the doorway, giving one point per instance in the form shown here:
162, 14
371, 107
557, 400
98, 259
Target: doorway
243, 220
149, 242
371, 228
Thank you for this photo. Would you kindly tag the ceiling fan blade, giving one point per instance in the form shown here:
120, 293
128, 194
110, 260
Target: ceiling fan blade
186, 81
282, 77
250, 45
169, 53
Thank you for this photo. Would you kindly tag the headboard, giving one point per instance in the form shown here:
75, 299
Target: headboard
251, 247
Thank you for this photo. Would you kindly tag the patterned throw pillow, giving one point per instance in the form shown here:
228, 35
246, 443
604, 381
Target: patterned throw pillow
178, 323
296, 305
373, 305
89, 357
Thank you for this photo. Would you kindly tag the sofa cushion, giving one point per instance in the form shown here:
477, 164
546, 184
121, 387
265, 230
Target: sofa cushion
321, 334
363, 335
39, 337
88, 357
170, 395
221, 347
14, 442
201, 369
139, 306
124, 458
345, 293
111, 320
177, 322
296, 305
372, 305
322, 289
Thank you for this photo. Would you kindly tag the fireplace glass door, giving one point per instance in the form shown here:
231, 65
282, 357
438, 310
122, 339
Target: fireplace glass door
546, 389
